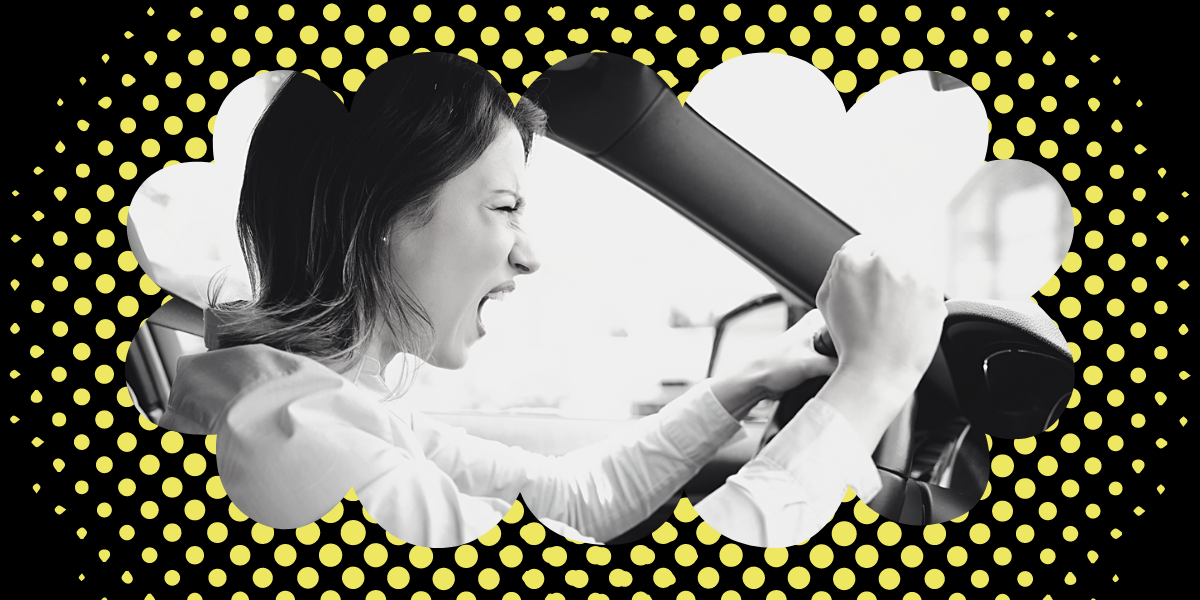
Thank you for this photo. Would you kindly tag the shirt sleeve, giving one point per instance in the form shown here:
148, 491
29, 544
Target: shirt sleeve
793, 487
292, 446
602, 490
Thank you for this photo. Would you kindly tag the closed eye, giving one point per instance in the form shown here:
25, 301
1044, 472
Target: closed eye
520, 204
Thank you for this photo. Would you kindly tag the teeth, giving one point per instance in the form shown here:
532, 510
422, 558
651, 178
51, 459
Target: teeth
497, 295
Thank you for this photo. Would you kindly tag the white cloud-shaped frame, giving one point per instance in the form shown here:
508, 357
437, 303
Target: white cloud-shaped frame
892, 159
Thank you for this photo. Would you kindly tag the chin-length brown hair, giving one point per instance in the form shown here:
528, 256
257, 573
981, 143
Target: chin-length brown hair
323, 188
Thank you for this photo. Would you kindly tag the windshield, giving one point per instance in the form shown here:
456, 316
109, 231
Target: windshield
905, 165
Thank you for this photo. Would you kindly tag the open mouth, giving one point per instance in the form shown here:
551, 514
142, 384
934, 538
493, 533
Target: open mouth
499, 293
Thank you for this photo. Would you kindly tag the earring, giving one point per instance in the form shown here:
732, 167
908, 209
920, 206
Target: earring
385, 240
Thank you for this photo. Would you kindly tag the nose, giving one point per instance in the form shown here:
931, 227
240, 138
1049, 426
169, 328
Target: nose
522, 256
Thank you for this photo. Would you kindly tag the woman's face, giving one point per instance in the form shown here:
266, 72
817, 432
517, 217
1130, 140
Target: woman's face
472, 248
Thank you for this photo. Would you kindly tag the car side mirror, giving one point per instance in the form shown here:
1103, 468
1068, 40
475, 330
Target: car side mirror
743, 332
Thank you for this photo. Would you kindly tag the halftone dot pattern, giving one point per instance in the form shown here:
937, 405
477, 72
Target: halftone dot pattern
145, 508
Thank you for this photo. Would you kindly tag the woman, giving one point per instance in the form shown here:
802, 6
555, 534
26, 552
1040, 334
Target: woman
383, 231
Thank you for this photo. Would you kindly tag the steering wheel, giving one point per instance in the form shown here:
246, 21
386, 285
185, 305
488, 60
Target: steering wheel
1011, 375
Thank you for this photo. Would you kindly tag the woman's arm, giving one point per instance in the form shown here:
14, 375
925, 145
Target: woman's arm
792, 488
604, 489
607, 488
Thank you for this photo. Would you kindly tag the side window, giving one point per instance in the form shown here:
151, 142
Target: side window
618, 321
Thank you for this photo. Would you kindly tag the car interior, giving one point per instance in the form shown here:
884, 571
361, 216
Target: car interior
1002, 368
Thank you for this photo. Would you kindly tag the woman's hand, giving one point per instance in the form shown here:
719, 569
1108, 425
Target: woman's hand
884, 319
791, 359
785, 363
885, 322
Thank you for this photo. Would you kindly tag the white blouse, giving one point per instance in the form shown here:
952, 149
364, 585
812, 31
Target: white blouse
293, 437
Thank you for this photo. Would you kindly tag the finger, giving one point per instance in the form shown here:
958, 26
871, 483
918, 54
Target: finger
824, 290
823, 366
812, 321
814, 317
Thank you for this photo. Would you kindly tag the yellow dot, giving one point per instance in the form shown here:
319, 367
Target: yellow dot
331, 12
1003, 103
173, 125
889, 533
444, 36
980, 533
1070, 307
376, 57
330, 555
1025, 81
1003, 149
127, 306
822, 13
307, 578
821, 556
1026, 126
285, 555
822, 58
331, 57
194, 464
844, 36
913, 58
755, 35
890, 36
1025, 534
512, 58
934, 534
489, 36
911, 556
1115, 306
981, 81
845, 81
196, 148
1047, 465
866, 556
150, 148
1002, 510
241, 57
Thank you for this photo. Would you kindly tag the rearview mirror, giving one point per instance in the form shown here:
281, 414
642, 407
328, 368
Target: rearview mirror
743, 332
